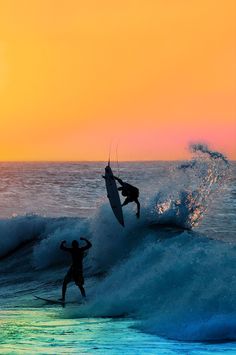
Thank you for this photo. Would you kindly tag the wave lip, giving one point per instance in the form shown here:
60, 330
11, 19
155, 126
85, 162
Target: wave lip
17, 231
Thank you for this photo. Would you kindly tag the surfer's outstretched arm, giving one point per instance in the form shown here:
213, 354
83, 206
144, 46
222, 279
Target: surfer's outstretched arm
119, 180
88, 245
62, 246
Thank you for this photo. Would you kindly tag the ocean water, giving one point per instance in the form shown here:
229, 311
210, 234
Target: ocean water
164, 284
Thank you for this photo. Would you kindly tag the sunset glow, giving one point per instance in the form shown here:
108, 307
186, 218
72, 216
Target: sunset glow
149, 75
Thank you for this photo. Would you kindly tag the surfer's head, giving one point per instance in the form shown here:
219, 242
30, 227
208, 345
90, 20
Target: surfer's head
75, 244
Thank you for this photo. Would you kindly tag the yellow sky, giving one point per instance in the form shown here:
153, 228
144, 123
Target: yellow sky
153, 75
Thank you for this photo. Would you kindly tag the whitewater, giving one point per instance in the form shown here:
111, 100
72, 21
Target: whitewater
164, 284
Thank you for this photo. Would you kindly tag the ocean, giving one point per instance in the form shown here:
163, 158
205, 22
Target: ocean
164, 284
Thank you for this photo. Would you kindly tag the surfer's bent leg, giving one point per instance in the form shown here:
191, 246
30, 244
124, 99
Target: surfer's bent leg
79, 281
66, 280
138, 207
82, 290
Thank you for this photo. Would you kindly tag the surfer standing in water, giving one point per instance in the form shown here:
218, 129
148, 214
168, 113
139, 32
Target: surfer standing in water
130, 192
75, 272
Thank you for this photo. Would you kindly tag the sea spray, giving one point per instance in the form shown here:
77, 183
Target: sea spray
192, 186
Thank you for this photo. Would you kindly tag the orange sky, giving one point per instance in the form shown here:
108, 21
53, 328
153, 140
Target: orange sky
152, 75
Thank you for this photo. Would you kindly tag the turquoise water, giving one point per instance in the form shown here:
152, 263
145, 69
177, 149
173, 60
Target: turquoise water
43, 331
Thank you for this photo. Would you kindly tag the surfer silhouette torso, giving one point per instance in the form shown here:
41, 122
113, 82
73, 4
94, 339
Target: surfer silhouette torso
75, 272
130, 192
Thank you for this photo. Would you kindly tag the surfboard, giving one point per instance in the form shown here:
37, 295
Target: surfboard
49, 300
113, 195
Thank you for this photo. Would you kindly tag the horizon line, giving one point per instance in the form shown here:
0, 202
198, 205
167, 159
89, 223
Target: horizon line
84, 161
96, 161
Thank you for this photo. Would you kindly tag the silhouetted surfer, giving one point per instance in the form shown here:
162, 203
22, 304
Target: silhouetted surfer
75, 272
130, 192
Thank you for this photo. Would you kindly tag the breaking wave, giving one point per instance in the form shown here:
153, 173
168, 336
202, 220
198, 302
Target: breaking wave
175, 283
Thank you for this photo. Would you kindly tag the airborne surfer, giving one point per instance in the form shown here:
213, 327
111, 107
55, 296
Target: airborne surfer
130, 192
75, 272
